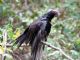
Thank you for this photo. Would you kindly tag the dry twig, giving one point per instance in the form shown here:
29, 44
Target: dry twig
56, 48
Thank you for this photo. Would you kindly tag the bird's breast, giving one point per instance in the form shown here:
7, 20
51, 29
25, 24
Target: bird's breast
48, 28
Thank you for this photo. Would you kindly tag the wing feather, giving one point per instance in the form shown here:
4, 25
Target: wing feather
37, 46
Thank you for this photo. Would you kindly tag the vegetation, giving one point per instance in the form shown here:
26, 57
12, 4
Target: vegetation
16, 15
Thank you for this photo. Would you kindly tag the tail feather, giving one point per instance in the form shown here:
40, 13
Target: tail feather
37, 54
21, 38
37, 47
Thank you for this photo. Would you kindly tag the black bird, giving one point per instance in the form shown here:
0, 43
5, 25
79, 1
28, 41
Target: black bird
36, 32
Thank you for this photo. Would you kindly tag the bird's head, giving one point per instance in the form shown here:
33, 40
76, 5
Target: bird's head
53, 12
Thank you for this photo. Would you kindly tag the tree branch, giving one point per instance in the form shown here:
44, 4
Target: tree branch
56, 48
49, 45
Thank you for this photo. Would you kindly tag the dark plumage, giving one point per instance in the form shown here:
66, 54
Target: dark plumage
37, 32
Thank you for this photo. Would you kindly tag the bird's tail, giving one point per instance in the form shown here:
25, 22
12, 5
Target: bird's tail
21, 39
37, 47
37, 53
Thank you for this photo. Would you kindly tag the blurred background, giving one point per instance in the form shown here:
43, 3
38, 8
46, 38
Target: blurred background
16, 15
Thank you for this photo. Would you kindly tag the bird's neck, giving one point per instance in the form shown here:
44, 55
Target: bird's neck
47, 17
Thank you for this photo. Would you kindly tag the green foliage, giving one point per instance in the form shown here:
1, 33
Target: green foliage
77, 44
16, 15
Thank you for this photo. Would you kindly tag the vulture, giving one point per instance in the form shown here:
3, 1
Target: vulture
36, 32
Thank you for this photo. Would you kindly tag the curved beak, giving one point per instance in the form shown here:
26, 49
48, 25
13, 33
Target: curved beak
57, 11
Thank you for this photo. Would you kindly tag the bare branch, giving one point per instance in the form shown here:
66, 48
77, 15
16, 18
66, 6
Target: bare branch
53, 47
